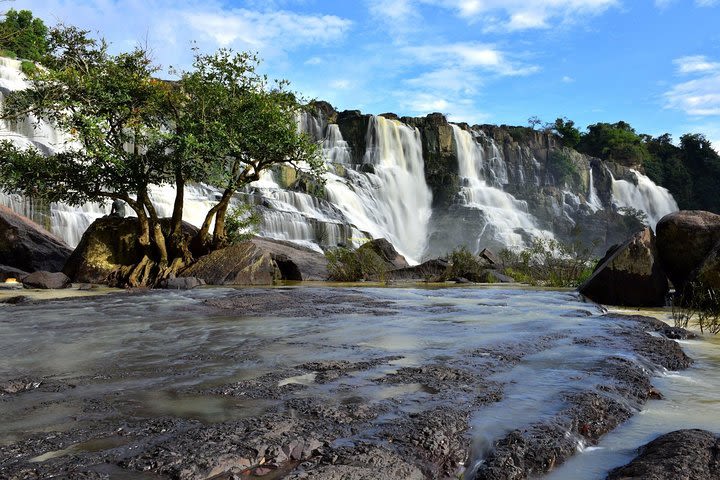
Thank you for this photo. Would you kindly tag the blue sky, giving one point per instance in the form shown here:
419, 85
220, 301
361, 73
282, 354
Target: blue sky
652, 63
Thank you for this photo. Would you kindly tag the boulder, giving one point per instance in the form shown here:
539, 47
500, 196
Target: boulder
708, 273
259, 261
181, 283
46, 280
494, 276
683, 454
25, 245
386, 252
684, 240
489, 258
7, 272
431, 271
108, 244
629, 275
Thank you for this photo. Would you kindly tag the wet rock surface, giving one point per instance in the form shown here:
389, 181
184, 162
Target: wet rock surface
679, 455
336, 387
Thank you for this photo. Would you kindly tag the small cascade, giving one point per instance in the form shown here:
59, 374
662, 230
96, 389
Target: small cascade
507, 219
593, 199
646, 196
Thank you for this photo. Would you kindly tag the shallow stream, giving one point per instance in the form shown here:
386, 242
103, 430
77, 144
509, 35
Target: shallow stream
155, 354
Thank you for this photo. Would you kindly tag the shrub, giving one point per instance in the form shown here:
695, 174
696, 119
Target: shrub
698, 305
561, 166
7, 53
550, 263
464, 263
241, 223
346, 265
28, 68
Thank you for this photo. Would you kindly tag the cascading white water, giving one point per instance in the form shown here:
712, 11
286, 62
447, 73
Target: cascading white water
652, 199
593, 199
395, 201
504, 214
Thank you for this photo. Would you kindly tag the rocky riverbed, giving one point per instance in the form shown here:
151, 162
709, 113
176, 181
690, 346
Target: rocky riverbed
322, 383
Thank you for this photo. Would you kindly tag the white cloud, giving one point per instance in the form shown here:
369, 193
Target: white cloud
171, 26
399, 17
701, 95
258, 29
696, 64
524, 14
457, 80
341, 84
567, 79
469, 56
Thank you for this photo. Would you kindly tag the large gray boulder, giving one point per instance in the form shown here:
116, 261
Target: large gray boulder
629, 275
679, 455
259, 261
684, 241
26, 246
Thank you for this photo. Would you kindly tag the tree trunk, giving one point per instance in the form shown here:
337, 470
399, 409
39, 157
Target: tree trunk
204, 234
219, 235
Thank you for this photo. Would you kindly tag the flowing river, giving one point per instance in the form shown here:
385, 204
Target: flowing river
423, 380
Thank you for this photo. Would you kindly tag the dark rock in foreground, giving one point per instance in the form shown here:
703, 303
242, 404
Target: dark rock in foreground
629, 275
684, 240
27, 246
46, 280
679, 455
259, 261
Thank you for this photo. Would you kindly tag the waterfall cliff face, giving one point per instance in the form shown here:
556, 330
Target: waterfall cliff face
424, 184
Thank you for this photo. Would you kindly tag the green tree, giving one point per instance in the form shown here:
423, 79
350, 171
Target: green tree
567, 131
25, 36
217, 125
235, 125
615, 142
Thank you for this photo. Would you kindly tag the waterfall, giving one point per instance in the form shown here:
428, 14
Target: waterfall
507, 218
646, 196
393, 202
593, 199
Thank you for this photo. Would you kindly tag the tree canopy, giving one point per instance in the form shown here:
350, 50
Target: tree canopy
221, 124
23, 35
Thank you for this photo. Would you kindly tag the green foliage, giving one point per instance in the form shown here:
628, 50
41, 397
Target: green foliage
634, 216
346, 265
28, 68
7, 54
241, 223
464, 264
561, 166
24, 35
550, 263
615, 142
698, 305
566, 130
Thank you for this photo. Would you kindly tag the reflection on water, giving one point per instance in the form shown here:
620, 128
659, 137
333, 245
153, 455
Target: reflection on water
139, 352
